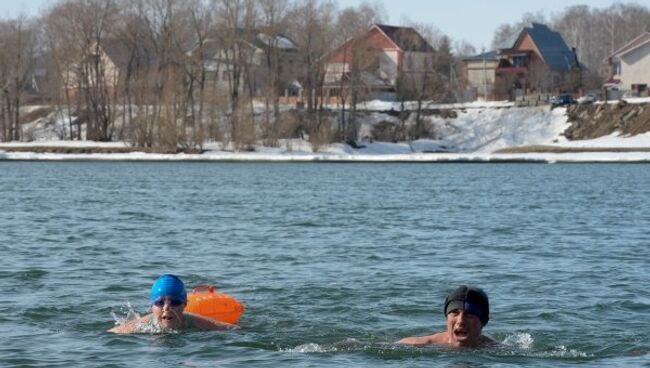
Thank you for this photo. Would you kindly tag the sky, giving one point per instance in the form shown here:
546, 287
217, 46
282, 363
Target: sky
471, 20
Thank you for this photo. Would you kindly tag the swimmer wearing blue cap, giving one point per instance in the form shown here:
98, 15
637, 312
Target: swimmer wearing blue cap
467, 310
168, 299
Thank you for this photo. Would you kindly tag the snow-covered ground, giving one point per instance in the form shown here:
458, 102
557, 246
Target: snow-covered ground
377, 105
631, 100
479, 129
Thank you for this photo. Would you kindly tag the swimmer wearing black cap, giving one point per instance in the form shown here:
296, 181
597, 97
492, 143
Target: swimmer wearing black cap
467, 310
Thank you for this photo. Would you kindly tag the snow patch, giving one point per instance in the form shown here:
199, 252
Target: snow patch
472, 136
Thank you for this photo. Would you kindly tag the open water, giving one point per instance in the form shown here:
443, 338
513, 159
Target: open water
334, 262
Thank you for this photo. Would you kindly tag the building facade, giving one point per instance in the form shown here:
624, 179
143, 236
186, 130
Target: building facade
373, 62
539, 61
629, 67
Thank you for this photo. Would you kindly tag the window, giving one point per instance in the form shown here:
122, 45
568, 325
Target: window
519, 61
616, 68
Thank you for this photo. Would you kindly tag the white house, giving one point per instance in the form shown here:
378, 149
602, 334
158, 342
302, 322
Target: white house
629, 67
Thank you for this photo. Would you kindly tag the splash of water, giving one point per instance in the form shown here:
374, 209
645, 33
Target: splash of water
133, 317
563, 352
310, 348
349, 345
519, 340
523, 341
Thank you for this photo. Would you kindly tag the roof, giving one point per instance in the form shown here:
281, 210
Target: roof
406, 38
214, 42
490, 55
551, 45
640, 40
120, 54
264, 40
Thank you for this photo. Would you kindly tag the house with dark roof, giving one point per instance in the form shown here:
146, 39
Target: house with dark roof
378, 56
538, 61
119, 60
629, 67
256, 46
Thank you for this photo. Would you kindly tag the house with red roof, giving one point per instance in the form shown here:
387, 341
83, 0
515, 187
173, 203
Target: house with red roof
373, 62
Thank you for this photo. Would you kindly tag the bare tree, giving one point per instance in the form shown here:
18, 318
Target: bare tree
425, 77
18, 42
359, 57
238, 20
312, 27
464, 49
95, 19
81, 26
200, 21
274, 20
64, 55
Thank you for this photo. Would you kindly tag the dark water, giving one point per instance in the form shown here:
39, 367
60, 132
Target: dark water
333, 262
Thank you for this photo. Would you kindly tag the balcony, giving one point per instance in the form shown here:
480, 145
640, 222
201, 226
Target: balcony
518, 70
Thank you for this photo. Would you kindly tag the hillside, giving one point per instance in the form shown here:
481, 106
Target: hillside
594, 121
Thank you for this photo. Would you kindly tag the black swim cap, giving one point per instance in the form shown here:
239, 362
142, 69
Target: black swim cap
470, 299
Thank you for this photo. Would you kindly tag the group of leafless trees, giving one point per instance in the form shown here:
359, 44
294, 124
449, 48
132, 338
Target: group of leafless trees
594, 32
184, 71
18, 42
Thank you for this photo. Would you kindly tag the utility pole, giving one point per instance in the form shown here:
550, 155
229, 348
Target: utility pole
484, 74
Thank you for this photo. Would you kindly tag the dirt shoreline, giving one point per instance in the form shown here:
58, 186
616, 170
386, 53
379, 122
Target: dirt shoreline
91, 150
109, 150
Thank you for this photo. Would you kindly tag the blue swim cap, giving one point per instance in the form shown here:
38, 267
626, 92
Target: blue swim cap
170, 286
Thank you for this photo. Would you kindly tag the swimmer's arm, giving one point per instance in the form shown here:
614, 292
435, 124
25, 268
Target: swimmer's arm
129, 327
419, 340
415, 341
203, 323
488, 341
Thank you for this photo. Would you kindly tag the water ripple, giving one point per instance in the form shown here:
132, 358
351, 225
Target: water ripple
333, 262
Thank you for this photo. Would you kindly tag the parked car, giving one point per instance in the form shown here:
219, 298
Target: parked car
628, 94
562, 100
587, 99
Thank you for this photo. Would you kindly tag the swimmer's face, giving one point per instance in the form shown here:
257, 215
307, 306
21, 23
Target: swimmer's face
168, 313
463, 328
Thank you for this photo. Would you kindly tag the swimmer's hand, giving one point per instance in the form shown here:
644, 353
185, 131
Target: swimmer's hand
130, 326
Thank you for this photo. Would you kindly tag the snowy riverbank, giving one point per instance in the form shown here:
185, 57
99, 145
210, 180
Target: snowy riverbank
300, 151
474, 135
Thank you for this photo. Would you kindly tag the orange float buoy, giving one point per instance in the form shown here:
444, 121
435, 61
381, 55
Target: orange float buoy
205, 301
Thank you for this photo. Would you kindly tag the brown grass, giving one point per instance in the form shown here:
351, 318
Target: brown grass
553, 149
